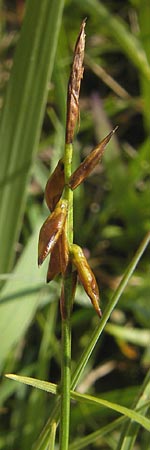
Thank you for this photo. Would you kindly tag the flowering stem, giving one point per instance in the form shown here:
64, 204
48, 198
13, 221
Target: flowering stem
67, 292
68, 195
66, 310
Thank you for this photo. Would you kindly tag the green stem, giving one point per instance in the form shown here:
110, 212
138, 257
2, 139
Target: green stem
65, 372
66, 310
68, 192
52, 436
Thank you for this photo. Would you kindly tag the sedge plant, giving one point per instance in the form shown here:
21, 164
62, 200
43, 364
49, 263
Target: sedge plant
67, 258
56, 234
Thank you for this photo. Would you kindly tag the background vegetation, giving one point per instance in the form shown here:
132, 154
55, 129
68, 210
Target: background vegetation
112, 209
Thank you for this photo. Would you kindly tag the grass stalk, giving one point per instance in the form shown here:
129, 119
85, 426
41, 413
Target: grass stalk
66, 320
52, 436
65, 372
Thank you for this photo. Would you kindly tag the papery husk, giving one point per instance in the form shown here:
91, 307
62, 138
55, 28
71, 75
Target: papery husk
63, 249
54, 267
55, 186
51, 230
59, 257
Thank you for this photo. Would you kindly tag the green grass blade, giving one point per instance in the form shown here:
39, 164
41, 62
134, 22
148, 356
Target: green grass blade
22, 115
21, 295
52, 436
52, 388
34, 382
130, 429
133, 415
92, 437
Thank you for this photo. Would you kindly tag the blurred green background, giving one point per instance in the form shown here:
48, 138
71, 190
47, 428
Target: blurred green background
111, 209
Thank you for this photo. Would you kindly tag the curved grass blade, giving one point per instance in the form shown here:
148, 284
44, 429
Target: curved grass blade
133, 415
130, 429
22, 115
52, 388
20, 297
92, 437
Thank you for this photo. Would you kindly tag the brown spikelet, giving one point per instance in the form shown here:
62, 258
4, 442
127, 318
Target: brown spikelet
51, 230
74, 85
55, 186
86, 276
89, 163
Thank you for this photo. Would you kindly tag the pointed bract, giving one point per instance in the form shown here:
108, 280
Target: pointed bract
89, 163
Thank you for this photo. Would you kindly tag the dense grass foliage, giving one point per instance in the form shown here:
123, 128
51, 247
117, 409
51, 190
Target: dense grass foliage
111, 219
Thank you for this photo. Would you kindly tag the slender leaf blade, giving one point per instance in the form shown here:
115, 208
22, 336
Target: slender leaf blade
52, 388
22, 295
23, 114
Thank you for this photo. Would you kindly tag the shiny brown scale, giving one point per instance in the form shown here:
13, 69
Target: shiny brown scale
59, 256
54, 267
63, 249
89, 163
51, 230
55, 186
74, 85
86, 276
